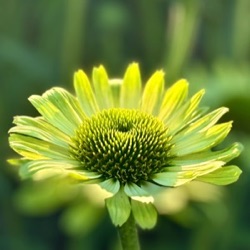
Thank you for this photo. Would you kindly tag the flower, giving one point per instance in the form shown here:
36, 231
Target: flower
131, 142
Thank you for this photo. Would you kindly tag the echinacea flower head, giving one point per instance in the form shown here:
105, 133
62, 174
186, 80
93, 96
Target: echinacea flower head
132, 141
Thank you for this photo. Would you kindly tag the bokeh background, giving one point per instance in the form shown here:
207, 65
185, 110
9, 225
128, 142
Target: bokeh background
43, 42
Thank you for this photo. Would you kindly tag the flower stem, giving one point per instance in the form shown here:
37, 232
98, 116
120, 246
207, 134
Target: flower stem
128, 235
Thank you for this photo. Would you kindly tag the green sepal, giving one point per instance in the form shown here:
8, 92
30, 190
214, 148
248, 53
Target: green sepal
110, 185
145, 214
132, 189
119, 208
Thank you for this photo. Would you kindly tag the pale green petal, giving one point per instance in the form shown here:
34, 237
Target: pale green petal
102, 88
152, 93
197, 142
31, 167
40, 129
85, 93
144, 214
34, 149
225, 155
222, 176
119, 208
111, 185
43, 169
59, 108
131, 189
185, 114
173, 99
131, 87
179, 175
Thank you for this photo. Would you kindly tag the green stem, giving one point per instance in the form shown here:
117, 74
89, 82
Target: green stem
128, 235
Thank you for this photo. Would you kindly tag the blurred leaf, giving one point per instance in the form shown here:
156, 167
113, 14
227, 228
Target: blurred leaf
45, 197
79, 219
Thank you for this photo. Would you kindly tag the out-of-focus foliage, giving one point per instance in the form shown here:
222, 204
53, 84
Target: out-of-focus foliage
43, 42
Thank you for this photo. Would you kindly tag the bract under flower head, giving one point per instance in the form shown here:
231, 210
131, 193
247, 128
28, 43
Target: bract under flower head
132, 142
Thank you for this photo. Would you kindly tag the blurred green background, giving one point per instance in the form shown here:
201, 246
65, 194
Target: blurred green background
43, 42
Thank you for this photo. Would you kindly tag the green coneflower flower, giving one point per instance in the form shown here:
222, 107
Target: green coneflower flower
131, 142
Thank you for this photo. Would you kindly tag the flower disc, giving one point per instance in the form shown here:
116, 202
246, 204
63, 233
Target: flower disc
123, 144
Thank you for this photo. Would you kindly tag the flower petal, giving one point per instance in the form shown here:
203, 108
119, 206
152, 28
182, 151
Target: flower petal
59, 108
102, 88
110, 185
85, 93
145, 214
131, 87
40, 129
115, 86
173, 99
204, 123
225, 155
119, 208
152, 93
222, 176
197, 142
185, 114
176, 176
42, 169
34, 149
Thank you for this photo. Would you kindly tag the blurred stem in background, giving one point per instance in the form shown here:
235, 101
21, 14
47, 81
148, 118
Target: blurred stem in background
73, 36
241, 31
150, 18
183, 21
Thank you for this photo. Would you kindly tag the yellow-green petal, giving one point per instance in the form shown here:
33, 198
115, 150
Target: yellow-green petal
115, 86
144, 214
173, 99
204, 122
225, 155
59, 108
45, 168
40, 129
197, 142
222, 176
152, 93
186, 114
131, 87
55, 166
102, 88
179, 175
85, 93
34, 149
